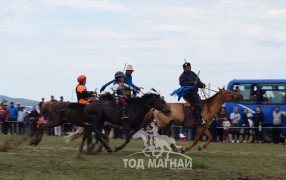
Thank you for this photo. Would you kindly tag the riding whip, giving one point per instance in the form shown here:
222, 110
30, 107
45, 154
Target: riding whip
124, 67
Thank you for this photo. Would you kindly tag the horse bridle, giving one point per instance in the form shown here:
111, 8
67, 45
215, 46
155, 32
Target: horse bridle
226, 94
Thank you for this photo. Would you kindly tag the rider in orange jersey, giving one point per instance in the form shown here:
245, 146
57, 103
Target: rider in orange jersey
81, 92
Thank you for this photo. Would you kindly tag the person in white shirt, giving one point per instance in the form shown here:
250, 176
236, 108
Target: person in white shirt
20, 119
235, 118
277, 117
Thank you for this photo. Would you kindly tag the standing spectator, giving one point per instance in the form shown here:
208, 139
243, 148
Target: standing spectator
58, 129
221, 117
246, 118
20, 119
277, 117
18, 105
53, 99
27, 122
235, 118
226, 124
213, 129
283, 131
33, 114
12, 118
258, 119
41, 103
51, 130
4, 117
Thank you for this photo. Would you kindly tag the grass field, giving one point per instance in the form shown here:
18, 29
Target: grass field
55, 159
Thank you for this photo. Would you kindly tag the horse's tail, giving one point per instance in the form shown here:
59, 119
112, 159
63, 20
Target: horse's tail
74, 135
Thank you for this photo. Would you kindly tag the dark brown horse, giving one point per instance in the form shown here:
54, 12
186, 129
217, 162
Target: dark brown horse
58, 113
97, 113
210, 108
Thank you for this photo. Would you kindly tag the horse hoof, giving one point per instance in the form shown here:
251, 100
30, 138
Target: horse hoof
117, 149
200, 148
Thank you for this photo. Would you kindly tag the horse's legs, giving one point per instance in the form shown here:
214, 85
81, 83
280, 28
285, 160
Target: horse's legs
200, 130
208, 134
33, 127
40, 131
82, 141
86, 136
127, 130
167, 131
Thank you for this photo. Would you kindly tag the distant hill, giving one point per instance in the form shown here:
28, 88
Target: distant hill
24, 102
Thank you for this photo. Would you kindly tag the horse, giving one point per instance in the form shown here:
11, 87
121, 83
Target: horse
100, 111
210, 108
58, 113
137, 108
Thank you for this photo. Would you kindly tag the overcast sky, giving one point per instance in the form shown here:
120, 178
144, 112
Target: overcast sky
46, 44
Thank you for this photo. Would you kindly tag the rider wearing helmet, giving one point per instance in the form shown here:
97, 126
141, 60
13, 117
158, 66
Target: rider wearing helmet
118, 95
81, 92
189, 78
127, 80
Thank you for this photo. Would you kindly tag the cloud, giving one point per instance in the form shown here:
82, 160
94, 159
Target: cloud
88, 4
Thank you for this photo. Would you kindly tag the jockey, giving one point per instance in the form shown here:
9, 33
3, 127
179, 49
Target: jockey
118, 95
189, 78
81, 92
128, 81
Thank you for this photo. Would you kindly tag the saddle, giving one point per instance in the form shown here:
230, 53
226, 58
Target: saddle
189, 121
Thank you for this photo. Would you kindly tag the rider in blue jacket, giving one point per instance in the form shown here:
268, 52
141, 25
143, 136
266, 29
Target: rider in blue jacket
127, 80
189, 78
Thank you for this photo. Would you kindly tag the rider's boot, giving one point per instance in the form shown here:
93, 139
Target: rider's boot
198, 117
123, 113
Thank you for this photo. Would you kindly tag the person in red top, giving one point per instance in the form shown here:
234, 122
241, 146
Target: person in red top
81, 92
4, 117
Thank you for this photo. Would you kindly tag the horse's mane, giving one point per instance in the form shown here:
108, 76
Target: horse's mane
208, 100
137, 100
106, 97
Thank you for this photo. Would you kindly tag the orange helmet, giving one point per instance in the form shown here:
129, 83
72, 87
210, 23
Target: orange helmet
81, 78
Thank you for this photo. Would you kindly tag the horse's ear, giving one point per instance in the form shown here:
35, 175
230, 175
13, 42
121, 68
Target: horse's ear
223, 88
219, 88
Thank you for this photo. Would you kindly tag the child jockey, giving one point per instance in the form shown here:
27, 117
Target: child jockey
117, 89
81, 92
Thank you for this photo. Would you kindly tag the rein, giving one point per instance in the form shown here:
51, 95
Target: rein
231, 96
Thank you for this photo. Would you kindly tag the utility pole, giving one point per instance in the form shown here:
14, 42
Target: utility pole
209, 90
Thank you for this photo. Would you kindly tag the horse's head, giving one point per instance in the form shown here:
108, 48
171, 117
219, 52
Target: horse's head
230, 96
156, 101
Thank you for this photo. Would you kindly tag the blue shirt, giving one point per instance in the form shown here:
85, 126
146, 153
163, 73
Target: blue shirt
127, 80
12, 112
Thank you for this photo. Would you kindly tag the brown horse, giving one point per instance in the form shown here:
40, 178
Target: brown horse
58, 113
210, 108
99, 112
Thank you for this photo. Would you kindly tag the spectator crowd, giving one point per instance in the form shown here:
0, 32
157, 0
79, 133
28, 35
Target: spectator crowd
16, 119
238, 127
